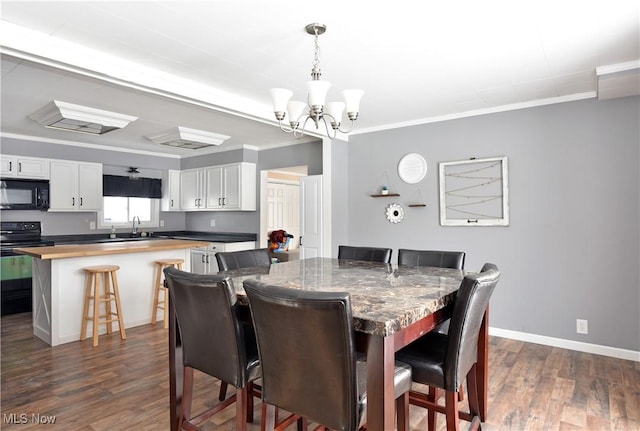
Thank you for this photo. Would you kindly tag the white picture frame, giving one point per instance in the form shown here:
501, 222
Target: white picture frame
474, 192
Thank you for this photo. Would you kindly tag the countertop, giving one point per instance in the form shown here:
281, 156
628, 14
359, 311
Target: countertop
82, 250
183, 234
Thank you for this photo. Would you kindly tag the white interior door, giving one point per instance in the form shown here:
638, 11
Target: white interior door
283, 209
311, 216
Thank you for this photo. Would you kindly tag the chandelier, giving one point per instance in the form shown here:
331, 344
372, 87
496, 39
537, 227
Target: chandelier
316, 109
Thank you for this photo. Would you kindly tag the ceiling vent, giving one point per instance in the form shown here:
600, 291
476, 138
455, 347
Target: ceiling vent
76, 118
618, 80
192, 139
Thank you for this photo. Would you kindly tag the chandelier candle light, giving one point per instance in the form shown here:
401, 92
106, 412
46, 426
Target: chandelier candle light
317, 88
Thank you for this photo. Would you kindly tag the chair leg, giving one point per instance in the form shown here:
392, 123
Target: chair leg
402, 410
432, 419
474, 400
241, 408
223, 391
187, 396
452, 412
250, 402
268, 417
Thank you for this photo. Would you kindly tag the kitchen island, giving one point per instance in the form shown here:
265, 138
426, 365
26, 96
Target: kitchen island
59, 281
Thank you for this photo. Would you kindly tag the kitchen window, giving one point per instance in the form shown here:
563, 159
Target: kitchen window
119, 211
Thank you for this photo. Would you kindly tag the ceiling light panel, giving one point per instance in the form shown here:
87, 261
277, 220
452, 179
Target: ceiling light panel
82, 119
191, 139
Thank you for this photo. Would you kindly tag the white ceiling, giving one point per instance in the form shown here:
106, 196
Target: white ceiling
208, 65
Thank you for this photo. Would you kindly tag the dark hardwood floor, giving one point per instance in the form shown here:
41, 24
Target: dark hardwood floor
124, 386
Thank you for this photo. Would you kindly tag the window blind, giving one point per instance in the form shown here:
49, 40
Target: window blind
114, 185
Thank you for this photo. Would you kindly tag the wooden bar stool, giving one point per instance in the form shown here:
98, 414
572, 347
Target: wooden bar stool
160, 286
109, 293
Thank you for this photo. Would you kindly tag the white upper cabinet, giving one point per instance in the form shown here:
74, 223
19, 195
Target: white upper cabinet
24, 167
170, 191
192, 185
232, 187
221, 188
75, 186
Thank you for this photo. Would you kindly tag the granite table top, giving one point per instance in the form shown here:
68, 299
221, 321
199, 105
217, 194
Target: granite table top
384, 298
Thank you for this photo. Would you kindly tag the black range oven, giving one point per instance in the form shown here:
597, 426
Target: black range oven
16, 269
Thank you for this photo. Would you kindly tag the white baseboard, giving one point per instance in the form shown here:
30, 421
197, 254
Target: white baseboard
579, 346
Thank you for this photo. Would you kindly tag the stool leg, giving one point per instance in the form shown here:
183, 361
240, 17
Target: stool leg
116, 292
166, 308
85, 311
96, 307
107, 299
156, 295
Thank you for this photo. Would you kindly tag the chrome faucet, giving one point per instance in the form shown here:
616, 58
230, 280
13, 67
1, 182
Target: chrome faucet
135, 228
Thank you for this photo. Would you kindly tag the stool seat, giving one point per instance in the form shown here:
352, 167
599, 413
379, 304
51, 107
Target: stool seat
101, 268
163, 304
107, 293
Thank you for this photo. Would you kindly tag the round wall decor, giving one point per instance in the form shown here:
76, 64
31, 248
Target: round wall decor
395, 213
412, 168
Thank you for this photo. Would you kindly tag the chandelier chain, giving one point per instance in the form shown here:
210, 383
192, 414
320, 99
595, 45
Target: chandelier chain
315, 71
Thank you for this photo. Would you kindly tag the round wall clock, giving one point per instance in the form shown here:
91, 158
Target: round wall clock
395, 213
412, 168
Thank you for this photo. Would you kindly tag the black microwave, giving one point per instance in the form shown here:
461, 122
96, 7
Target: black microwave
21, 194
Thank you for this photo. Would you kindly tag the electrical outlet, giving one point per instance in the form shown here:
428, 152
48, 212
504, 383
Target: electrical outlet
582, 326
213, 222
161, 223
92, 225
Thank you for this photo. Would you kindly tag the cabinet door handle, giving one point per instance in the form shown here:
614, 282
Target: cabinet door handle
19, 167
80, 201
202, 258
172, 203
219, 201
10, 166
73, 202
195, 202
207, 259
300, 240
223, 201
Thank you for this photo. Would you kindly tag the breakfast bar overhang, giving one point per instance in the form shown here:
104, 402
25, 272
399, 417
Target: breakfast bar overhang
59, 282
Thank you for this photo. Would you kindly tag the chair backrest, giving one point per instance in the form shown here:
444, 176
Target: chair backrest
370, 254
213, 340
307, 353
472, 300
435, 258
243, 259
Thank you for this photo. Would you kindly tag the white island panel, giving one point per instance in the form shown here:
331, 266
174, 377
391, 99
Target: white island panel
59, 291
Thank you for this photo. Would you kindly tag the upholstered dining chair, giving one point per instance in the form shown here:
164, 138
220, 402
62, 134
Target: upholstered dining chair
308, 337
229, 260
435, 258
370, 254
444, 360
214, 341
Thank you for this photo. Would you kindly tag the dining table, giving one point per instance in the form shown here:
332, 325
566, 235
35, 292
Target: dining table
392, 306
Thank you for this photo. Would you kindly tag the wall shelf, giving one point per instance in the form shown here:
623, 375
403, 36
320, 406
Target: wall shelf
388, 195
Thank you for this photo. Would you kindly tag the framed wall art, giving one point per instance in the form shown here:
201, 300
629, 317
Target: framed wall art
474, 192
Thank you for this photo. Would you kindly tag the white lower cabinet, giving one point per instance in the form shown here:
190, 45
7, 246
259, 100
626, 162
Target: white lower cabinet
203, 260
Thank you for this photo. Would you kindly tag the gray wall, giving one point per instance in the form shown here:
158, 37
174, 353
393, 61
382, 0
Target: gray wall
572, 248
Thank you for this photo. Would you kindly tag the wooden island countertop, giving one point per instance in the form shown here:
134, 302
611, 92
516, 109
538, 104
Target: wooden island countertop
101, 249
